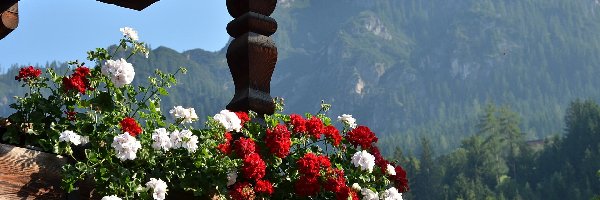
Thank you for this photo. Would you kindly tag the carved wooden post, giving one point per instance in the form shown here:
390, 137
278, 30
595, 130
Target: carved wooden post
131, 4
252, 55
9, 17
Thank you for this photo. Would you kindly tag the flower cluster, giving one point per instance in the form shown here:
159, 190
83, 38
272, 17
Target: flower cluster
73, 138
361, 136
162, 140
239, 155
186, 115
229, 120
120, 72
111, 197
78, 81
348, 120
126, 146
130, 126
278, 141
261, 154
364, 160
159, 188
28, 73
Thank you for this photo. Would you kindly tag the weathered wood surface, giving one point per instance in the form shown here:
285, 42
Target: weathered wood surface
9, 17
29, 174
131, 4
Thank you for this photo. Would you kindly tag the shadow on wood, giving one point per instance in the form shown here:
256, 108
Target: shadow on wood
29, 174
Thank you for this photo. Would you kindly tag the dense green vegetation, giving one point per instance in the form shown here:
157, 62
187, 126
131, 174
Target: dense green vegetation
497, 163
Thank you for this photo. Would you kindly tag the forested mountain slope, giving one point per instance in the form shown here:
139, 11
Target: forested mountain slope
412, 68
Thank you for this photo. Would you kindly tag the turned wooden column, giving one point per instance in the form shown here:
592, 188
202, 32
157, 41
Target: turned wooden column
9, 17
131, 4
252, 55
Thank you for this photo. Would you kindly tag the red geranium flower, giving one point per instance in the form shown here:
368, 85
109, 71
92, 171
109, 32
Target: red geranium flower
379, 160
400, 180
354, 195
82, 71
264, 186
71, 115
78, 81
242, 191
131, 126
307, 186
298, 123
361, 136
278, 141
26, 73
244, 147
315, 127
254, 167
243, 117
336, 182
225, 148
309, 165
345, 192
333, 134
324, 161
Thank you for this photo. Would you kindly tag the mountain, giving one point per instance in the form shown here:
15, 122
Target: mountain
411, 68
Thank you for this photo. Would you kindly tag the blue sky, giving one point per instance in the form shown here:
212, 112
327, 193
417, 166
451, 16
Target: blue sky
64, 30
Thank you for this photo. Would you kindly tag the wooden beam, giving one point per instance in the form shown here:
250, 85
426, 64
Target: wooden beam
252, 55
9, 17
131, 4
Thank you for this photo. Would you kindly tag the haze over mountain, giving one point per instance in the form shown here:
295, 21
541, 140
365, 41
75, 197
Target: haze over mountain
410, 68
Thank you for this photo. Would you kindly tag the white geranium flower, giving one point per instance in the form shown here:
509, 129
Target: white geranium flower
391, 194
126, 146
188, 115
356, 187
84, 140
159, 188
190, 141
391, 170
111, 197
176, 139
364, 160
231, 178
130, 33
229, 120
70, 136
348, 120
184, 139
119, 71
368, 194
161, 139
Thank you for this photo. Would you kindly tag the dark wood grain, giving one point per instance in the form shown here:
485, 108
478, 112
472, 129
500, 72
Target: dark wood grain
9, 17
131, 4
252, 55
238, 8
252, 22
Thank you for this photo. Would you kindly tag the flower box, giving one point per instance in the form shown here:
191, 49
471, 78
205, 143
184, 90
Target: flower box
131, 4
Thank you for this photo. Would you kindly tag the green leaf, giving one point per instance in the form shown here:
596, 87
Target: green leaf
162, 91
104, 102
